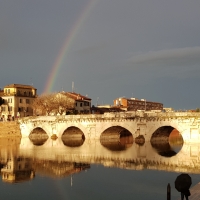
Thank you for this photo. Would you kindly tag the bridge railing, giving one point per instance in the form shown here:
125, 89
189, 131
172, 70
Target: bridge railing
112, 115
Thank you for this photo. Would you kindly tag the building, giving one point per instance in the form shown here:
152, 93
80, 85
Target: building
133, 104
17, 101
17, 169
82, 103
168, 109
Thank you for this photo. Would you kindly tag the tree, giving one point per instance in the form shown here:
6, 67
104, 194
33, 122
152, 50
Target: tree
53, 103
63, 103
42, 104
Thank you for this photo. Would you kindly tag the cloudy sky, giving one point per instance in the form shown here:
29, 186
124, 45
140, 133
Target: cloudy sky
146, 49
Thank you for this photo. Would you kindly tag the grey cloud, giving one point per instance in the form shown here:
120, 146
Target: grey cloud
172, 57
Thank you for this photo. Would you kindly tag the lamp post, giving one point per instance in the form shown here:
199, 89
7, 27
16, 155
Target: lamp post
145, 102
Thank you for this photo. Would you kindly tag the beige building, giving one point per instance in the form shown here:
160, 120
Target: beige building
82, 103
17, 101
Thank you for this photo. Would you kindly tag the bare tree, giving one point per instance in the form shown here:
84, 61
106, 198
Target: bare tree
63, 103
43, 104
53, 103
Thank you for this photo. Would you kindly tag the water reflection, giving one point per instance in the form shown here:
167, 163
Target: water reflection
168, 147
116, 138
17, 169
73, 142
119, 144
38, 141
57, 169
22, 159
164, 149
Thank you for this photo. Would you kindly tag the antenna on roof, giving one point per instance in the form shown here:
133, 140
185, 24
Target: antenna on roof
72, 86
97, 101
31, 81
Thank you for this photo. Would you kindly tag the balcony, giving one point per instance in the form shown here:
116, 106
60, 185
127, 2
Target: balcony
18, 94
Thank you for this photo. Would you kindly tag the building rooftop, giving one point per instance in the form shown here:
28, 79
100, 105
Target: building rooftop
77, 96
19, 86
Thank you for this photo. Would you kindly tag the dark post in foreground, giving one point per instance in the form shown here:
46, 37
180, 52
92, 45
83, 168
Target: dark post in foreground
168, 192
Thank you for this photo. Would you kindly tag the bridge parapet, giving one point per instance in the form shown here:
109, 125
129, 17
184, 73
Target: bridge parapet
116, 115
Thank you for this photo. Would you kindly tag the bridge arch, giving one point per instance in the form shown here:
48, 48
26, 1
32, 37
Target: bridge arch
44, 127
164, 139
73, 137
64, 127
163, 130
116, 138
38, 136
163, 133
132, 128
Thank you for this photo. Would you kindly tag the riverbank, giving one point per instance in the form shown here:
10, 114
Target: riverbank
10, 129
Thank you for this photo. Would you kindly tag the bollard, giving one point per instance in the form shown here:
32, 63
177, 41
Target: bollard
168, 192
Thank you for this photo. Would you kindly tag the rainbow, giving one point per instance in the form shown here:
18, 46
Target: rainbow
66, 47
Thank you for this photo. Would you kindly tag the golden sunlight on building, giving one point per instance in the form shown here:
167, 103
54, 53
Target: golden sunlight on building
17, 100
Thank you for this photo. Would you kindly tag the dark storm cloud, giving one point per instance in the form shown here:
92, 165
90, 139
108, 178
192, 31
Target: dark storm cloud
162, 36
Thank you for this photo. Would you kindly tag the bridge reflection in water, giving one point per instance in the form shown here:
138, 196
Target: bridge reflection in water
22, 158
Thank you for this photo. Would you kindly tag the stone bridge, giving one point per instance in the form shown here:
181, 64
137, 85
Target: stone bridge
113, 126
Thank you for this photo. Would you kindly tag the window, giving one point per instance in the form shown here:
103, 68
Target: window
19, 109
20, 100
10, 108
9, 100
8, 91
27, 101
26, 165
86, 103
3, 108
24, 93
81, 104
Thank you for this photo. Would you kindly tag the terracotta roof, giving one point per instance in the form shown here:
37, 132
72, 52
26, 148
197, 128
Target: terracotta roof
76, 96
19, 86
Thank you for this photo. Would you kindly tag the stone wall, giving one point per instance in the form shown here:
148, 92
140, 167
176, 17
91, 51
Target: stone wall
10, 129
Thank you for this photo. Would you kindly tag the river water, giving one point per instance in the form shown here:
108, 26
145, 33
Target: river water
92, 171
